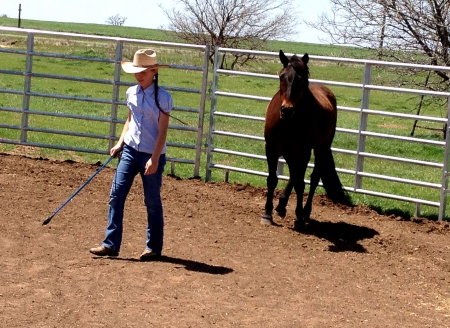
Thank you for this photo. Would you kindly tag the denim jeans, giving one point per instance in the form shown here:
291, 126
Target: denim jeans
131, 163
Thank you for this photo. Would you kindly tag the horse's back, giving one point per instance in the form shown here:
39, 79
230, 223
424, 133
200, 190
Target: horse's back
324, 96
325, 112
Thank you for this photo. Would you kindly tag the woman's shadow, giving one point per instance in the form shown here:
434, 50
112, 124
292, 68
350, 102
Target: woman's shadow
188, 264
344, 236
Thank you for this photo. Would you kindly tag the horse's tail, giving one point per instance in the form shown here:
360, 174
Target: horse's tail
330, 179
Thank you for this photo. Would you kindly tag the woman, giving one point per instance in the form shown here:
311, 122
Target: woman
142, 145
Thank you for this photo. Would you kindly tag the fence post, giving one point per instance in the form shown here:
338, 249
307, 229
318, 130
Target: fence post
27, 88
199, 143
115, 95
19, 21
363, 117
214, 86
445, 169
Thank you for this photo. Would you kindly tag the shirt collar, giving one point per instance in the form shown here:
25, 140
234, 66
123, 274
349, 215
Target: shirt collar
149, 91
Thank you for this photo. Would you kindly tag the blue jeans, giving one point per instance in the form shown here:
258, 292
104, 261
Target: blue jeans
131, 163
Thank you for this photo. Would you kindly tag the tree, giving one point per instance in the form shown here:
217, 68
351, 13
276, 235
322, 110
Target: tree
406, 30
116, 20
238, 24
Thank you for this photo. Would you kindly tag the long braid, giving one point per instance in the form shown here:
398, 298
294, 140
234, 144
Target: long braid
155, 81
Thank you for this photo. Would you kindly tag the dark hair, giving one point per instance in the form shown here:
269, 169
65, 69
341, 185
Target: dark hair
155, 81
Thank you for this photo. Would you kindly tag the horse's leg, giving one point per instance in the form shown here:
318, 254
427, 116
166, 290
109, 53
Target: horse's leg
297, 171
272, 181
284, 198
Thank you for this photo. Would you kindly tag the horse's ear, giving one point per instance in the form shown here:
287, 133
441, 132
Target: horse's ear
305, 59
284, 59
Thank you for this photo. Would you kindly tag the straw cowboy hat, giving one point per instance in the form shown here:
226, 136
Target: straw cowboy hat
143, 59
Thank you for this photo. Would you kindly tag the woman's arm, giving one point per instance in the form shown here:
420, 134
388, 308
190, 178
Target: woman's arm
119, 145
163, 126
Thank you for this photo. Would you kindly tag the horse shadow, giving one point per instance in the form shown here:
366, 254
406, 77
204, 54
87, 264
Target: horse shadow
188, 264
343, 236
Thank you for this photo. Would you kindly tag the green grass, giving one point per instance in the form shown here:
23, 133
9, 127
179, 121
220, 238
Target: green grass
92, 29
246, 85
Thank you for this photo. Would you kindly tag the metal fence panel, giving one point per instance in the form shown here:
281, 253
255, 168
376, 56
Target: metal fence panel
360, 172
363, 133
111, 98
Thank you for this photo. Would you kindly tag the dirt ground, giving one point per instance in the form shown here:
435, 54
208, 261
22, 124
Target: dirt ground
351, 267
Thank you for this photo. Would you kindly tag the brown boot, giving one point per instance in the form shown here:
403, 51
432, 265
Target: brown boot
149, 256
103, 251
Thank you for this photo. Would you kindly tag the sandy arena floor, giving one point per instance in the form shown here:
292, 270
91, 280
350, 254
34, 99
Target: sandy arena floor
351, 267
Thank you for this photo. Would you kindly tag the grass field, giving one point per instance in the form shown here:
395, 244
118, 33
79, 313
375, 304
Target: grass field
398, 103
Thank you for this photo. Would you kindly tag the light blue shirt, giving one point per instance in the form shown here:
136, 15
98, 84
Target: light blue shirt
143, 126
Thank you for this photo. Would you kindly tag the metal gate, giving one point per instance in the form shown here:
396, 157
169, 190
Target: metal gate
28, 135
17, 119
361, 132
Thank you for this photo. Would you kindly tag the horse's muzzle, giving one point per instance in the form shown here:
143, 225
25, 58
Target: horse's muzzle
286, 112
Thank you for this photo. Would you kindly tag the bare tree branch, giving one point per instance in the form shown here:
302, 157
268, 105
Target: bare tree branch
245, 24
407, 30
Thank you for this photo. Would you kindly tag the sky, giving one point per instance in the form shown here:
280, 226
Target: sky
144, 13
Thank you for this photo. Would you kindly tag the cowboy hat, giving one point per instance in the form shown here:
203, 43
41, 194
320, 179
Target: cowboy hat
143, 59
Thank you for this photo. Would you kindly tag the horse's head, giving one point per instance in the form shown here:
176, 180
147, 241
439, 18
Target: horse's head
293, 82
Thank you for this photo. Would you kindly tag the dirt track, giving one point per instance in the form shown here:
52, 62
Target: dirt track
350, 268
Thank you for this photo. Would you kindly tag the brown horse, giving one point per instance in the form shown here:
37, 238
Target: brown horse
301, 117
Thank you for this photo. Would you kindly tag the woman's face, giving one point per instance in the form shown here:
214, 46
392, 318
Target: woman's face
145, 78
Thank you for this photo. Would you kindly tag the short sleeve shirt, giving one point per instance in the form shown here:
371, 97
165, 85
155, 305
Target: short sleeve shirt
143, 127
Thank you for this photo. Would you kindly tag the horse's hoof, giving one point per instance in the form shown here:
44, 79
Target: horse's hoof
266, 219
299, 224
281, 212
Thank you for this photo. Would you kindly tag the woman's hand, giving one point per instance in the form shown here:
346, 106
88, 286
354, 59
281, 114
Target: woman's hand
114, 151
151, 167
